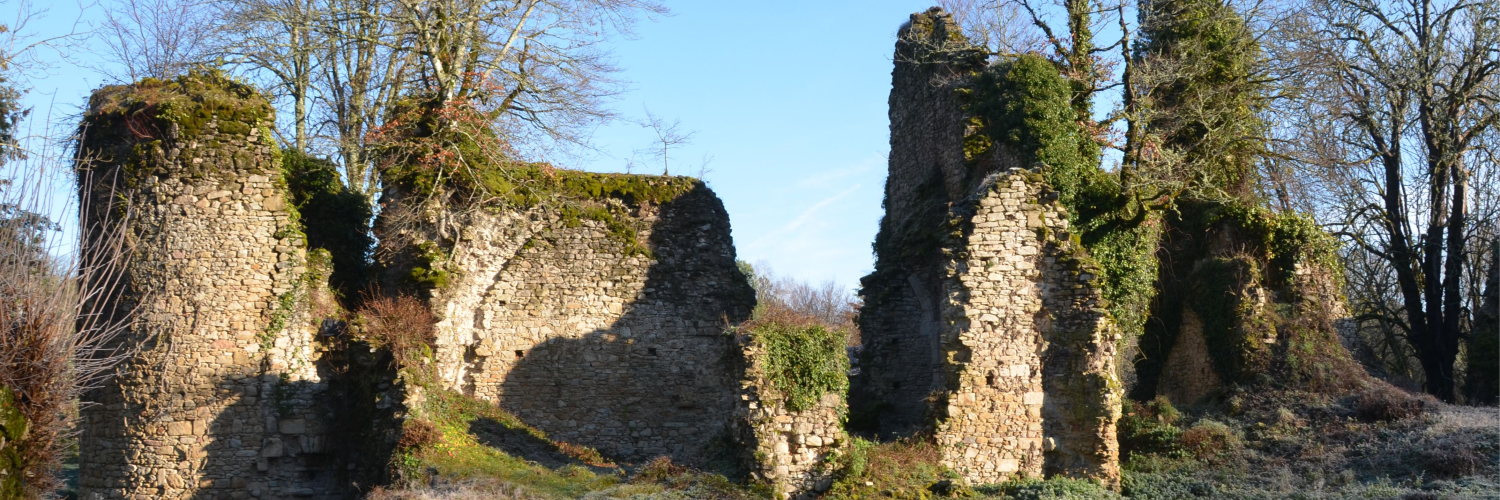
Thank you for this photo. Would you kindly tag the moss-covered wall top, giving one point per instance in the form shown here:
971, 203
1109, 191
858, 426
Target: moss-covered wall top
138, 126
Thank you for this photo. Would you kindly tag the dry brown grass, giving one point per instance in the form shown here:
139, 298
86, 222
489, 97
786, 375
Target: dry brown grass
417, 434
1384, 403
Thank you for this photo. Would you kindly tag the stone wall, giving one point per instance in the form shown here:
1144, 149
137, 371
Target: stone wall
561, 323
983, 321
221, 398
901, 318
1029, 347
791, 450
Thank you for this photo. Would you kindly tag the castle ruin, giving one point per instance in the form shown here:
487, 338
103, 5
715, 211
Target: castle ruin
221, 396
983, 321
598, 308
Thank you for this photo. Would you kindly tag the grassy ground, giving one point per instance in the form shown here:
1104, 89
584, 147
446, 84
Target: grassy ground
1247, 445
470, 449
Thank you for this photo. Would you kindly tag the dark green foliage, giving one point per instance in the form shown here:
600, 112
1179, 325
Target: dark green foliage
1220, 287
13, 459
11, 114
1268, 248
802, 361
1149, 428
429, 271
1200, 60
1025, 105
333, 217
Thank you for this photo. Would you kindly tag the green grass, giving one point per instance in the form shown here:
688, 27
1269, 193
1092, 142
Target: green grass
463, 457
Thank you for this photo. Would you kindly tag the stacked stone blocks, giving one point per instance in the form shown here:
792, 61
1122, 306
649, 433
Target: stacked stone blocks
794, 451
215, 402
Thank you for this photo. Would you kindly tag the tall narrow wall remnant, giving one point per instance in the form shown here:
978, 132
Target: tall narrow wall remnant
983, 320
222, 398
903, 298
598, 315
792, 449
1029, 345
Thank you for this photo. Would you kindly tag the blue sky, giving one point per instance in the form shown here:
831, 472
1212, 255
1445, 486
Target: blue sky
787, 97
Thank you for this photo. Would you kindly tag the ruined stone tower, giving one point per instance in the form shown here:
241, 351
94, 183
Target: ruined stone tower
597, 313
221, 398
983, 322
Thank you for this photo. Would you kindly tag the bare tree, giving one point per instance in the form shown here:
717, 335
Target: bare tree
57, 335
1410, 88
280, 39
828, 303
537, 65
155, 38
364, 70
668, 137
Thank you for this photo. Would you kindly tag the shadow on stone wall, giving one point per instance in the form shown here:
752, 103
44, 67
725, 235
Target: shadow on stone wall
658, 380
295, 456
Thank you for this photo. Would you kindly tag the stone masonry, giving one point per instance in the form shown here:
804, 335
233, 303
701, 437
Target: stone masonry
221, 398
564, 326
902, 314
1028, 344
788, 449
983, 321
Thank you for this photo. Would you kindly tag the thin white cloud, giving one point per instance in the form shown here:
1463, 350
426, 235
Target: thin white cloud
802, 218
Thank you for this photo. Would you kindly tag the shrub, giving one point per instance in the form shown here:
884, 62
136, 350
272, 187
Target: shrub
402, 325
1453, 461
1057, 488
660, 469
417, 434
802, 359
583, 453
59, 324
333, 217
1208, 439
1149, 427
1383, 403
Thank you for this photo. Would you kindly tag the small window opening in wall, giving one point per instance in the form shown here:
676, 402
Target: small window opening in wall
519, 354
651, 351
895, 386
989, 379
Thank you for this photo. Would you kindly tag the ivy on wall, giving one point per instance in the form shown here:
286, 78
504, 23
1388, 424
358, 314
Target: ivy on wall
802, 361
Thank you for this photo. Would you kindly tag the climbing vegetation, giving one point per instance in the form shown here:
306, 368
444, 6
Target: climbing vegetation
802, 359
1201, 100
332, 217
1024, 106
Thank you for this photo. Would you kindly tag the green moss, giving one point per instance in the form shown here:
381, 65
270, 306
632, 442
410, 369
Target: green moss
13, 427
333, 217
430, 270
144, 114
1232, 326
802, 362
